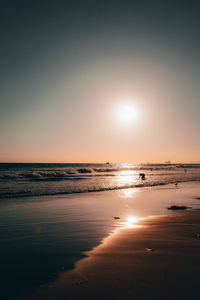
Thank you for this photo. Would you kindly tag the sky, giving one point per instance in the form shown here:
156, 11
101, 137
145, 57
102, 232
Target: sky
69, 67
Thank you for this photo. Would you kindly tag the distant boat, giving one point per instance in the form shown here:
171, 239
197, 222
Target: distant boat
107, 163
168, 162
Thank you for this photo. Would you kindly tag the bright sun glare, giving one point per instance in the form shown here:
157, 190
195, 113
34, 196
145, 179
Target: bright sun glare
127, 113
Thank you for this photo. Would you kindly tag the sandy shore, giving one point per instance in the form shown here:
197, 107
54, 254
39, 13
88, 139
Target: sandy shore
122, 268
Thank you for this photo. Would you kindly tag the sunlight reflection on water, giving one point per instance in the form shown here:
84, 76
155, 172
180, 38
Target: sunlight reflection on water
126, 177
130, 222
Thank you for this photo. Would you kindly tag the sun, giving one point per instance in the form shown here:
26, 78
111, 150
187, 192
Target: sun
127, 113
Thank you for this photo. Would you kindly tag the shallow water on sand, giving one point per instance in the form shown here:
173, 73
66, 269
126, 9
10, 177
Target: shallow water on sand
43, 236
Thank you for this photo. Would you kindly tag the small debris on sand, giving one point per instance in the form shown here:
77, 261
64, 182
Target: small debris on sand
82, 282
149, 249
176, 207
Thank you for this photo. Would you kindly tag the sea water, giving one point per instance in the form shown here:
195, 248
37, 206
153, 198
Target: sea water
18, 180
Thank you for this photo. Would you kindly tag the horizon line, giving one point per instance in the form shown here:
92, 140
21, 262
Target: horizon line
110, 163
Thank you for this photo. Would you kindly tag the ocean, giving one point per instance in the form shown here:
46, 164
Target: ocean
19, 180
51, 214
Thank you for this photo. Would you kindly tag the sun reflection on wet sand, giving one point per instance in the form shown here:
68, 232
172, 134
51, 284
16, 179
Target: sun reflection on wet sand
130, 222
79, 275
128, 193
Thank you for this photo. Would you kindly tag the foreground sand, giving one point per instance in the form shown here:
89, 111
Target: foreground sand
121, 268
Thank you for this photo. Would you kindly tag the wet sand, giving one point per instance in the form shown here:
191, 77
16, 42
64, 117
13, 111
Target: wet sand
122, 268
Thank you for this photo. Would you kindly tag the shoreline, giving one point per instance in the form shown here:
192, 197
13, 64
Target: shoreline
109, 189
121, 267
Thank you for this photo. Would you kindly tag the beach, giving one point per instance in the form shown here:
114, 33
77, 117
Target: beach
59, 245
144, 257
157, 260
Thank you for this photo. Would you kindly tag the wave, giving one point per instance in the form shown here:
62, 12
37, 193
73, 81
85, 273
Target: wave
72, 173
39, 175
28, 193
85, 170
105, 170
188, 166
